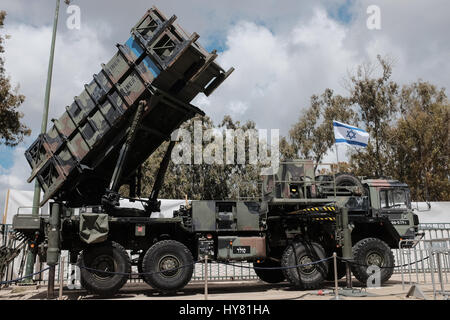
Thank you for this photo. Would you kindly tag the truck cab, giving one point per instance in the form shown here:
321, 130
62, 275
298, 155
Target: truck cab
391, 199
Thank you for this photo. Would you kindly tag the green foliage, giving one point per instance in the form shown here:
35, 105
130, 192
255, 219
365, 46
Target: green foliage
204, 181
12, 130
312, 136
409, 136
409, 130
420, 142
376, 99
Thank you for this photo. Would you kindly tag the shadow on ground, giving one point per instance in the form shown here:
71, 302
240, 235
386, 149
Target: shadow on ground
135, 290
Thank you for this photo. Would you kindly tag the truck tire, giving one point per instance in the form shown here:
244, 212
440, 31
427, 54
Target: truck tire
372, 251
307, 277
269, 276
348, 180
167, 255
110, 257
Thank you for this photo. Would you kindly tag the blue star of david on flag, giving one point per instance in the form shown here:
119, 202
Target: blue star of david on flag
345, 133
351, 134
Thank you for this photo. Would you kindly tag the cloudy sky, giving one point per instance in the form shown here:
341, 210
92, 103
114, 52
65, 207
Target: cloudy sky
283, 52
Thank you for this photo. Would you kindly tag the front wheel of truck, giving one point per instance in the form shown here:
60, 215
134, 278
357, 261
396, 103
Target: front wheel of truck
372, 251
168, 266
104, 268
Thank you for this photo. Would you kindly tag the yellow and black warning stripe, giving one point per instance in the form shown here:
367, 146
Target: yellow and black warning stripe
325, 219
327, 209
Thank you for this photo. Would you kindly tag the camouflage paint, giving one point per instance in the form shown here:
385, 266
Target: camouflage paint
278, 185
65, 125
66, 160
211, 216
52, 140
203, 216
119, 64
132, 88
249, 216
112, 110
94, 227
78, 147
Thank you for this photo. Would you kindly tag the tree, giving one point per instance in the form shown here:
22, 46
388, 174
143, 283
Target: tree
420, 142
409, 131
375, 98
205, 181
312, 136
287, 150
243, 180
12, 131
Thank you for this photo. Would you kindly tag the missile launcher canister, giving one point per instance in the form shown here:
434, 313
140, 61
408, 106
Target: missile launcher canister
159, 65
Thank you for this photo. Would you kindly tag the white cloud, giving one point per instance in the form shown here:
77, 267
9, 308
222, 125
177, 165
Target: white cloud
14, 177
413, 33
210, 19
78, 55
276, 73
238, 107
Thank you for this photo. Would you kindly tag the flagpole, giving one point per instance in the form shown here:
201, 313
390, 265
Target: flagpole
337, 150
337, 155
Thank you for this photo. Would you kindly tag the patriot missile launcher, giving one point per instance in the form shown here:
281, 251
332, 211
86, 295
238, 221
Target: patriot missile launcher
127, 111
160, 66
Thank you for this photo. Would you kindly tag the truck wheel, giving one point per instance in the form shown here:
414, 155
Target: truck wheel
269, 276
170, 266
110, 257
348, 180
306, 277
372, 251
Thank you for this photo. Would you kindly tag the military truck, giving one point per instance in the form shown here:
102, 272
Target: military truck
130, 108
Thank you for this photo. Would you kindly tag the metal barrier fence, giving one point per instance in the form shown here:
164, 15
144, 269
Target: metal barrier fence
426, 262
409, 255
418, 268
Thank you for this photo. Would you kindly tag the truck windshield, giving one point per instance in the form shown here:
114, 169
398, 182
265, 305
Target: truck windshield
394, 198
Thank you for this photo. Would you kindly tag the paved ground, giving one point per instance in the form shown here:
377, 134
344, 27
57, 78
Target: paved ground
248, 290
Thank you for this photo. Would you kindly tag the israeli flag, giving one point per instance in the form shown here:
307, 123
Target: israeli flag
344, 133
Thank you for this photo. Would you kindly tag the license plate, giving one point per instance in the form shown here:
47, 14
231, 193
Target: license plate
241, 250
400, 222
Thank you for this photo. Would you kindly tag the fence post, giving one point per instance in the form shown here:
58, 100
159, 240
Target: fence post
441, 280
432, 273
336, 289
61, 278
206, 277
401, 263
